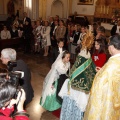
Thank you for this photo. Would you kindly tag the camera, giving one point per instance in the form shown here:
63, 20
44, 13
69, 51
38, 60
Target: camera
14, 76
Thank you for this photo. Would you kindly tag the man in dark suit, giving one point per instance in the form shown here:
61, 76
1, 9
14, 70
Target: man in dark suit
52, 25
115, 29
7, 56
58, 49
53, 38
26, 18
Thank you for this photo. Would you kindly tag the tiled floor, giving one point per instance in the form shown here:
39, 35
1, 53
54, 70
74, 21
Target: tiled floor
39, 66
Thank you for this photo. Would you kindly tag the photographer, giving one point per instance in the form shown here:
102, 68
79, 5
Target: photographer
7, 101
9, 55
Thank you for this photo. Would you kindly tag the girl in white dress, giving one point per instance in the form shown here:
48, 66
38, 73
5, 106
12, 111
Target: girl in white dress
59, 68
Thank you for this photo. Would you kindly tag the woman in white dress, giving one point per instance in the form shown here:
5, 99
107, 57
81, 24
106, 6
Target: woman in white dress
52, 81
46, 37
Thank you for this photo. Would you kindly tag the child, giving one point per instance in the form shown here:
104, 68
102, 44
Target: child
99, 56
52, 83
57, 50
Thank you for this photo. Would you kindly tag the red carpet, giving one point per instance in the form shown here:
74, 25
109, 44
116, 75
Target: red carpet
57, 113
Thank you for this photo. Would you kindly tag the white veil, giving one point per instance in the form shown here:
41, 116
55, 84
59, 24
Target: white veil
58, 58
49, 79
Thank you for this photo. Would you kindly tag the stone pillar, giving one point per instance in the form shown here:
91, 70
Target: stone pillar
42, 8
34, 10
44, 5
70, 7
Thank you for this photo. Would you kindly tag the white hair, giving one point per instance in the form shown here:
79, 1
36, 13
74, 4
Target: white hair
9, 53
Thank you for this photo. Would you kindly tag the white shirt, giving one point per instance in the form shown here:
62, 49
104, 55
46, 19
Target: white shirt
5, 34
24, 20
60, 49
54, 29
80, 38
84, 53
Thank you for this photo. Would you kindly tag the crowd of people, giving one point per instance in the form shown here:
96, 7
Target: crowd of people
83, 81
89, 52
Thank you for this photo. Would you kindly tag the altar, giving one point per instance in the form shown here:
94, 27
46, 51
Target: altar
107, 26
105, 11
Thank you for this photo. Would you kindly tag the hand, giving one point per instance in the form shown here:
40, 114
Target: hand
21, 99
97, 69
12, 102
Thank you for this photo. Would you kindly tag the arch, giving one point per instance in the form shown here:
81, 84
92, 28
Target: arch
57, 8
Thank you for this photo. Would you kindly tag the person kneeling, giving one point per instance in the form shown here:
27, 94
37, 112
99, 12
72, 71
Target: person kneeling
7, 102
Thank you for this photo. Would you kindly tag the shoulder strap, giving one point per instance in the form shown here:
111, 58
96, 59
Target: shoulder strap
21, 114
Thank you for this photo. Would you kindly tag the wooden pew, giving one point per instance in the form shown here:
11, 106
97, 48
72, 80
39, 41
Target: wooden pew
10, 43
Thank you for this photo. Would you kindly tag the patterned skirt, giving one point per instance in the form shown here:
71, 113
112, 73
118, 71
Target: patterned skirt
70, 110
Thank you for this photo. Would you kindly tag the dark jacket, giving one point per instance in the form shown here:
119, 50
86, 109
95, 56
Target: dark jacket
27, 31
52, 28
113, 30
55, 53
75, 37
14, 33
28, 19
26, 80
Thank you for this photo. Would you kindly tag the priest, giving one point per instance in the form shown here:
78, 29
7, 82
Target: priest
104, 101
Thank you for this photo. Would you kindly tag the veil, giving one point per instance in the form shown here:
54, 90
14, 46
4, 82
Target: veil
49, 79
58, 58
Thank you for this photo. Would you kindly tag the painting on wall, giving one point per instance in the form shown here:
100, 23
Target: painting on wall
85, 2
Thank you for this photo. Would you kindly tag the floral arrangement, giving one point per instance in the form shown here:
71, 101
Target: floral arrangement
116, 16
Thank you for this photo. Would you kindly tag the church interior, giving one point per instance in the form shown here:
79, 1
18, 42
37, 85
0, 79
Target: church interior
105, 12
